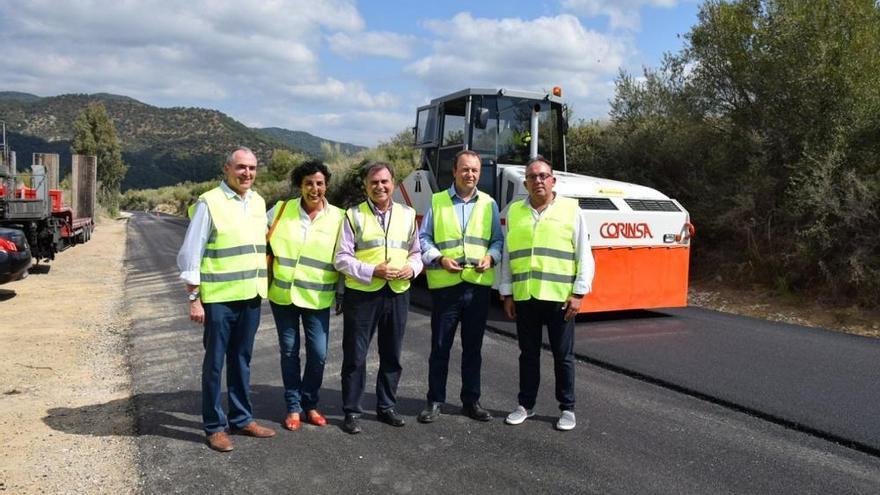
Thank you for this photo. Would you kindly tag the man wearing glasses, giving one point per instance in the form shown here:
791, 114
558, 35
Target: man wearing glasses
461, 242
546, 269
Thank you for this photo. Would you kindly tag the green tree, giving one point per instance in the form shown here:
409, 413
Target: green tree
798, 85
94, 134
282, 163
767, 127
332, 152
347, 186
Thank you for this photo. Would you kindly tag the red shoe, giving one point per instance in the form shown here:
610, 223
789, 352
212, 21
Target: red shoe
292, 421
315, 418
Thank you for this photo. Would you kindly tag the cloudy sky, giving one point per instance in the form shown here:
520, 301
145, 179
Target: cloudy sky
344, 70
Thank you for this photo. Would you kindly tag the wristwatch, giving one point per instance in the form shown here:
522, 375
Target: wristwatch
192, 296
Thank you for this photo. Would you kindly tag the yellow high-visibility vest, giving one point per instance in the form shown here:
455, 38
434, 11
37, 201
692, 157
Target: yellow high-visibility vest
466, 248
373, 245
542, 254
302, 270
233, 266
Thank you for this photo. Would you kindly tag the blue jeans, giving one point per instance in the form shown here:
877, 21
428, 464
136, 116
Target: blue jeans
301, 391
230, 328
531, 317
469, 304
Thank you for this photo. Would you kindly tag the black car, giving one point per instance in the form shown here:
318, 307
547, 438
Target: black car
15, 255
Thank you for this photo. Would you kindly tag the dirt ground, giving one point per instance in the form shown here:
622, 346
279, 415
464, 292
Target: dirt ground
63, 361
62, 358
765, 304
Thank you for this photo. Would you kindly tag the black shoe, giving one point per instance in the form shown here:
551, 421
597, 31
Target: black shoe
476, 411
351, 424
390, 416
430, 413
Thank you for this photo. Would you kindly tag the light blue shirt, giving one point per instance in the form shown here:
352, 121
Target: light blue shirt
463, 210
189, 258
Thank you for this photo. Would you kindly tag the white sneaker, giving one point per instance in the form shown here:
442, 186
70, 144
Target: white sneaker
519, 415
566, 421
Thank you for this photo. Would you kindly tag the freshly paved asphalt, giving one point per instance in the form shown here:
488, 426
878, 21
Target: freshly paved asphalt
633, 436
813, 380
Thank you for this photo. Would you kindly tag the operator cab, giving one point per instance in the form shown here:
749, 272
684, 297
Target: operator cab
497, 124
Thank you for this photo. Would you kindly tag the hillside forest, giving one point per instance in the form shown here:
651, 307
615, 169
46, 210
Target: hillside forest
160, 146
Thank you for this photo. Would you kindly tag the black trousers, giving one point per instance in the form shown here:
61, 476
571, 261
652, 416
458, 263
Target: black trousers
531, 317
468, 304
365, 313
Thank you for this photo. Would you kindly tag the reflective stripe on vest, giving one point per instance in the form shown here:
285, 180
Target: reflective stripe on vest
542, 255
467, 249
233, 267
373, 245
302, 271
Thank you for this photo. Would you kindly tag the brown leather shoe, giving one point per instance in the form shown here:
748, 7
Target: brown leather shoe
219, 441
314, 417
255, 430
292, 421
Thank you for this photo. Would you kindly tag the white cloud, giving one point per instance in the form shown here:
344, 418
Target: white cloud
261, 60
242, 57
522, 54
335, 92
377, 43
144, 73
142, 21
366, 128
622, 14
199, 50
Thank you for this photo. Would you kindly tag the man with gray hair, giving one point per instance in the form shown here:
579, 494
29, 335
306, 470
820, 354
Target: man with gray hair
223, 263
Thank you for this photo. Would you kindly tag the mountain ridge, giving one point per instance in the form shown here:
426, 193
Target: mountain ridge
161, 145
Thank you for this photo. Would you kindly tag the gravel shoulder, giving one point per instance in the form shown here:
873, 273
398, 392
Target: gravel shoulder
65, 423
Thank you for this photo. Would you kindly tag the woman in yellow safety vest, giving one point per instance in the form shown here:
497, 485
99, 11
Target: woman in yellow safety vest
302, 238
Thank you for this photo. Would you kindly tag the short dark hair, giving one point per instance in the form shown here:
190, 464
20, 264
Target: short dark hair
465, 153
308, 168
377, 166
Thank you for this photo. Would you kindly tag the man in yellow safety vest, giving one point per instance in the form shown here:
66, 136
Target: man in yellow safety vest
378, 252
223, 263
546, 269
461, 242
